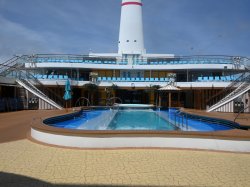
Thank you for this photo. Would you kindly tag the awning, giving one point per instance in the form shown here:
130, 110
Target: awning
169, 87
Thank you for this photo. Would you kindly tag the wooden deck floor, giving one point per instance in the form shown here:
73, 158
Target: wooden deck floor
244, 119
16, 125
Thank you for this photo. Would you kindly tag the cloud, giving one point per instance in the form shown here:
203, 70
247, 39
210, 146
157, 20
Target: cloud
15, 38
55, 27
197, 27
183, 27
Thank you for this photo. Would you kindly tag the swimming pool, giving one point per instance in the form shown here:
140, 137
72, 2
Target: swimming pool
137, 127
139, 119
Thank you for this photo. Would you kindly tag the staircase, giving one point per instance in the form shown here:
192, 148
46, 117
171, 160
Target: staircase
234, 90
31, 88
14, 63
14, 68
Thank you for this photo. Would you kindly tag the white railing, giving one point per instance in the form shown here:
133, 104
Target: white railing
242, 89
31, 88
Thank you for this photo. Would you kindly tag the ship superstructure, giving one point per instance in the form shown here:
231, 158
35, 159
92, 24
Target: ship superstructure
131, 74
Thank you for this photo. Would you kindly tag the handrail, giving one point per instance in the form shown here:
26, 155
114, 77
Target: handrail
23, 74
238, 92
47, 91
234, 60
231, 85
214, 99
108, 103
115, 106
11, 63
82, 98
30, 87
240, 112
13, 59
191, 56
182, 115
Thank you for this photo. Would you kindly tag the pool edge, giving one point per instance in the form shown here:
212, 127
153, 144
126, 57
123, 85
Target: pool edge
141, 142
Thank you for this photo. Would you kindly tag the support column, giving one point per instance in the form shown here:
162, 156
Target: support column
179, 99
77, 73
169, 99
159, 100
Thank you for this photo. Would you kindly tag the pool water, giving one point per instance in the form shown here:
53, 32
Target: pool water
190, 124
83, 119
139, 120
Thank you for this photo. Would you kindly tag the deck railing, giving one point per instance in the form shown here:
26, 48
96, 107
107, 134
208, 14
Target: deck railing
238, 83
175, 60
18, 72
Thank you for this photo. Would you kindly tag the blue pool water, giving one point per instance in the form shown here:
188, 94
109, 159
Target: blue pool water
165, 120
139, 120
77, 121
189, 123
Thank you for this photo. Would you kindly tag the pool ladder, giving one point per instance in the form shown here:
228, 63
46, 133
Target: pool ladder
81, 102
109, 101
182, 118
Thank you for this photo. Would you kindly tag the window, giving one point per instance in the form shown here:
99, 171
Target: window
139, 74
129, 74
127, 40
124, 74
135, 40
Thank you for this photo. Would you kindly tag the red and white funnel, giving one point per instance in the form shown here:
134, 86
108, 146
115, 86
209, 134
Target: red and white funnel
131, 28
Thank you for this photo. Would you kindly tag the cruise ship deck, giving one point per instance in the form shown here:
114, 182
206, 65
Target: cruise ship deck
128, 118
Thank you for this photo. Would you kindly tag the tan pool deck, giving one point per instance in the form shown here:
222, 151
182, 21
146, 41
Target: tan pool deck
26, 163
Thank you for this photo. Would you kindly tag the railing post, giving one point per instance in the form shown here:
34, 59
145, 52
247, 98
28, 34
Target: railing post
182, 121
186, 122
175, 118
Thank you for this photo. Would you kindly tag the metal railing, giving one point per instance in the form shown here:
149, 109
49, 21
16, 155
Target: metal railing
13, 63
182, 119
110, 103
36, 85
80, 102
195, 59
240, 112
20, 73
239, 84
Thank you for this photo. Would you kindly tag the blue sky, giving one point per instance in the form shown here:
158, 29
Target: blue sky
182, 27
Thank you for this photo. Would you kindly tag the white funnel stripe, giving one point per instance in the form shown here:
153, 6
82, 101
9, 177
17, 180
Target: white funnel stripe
131, 40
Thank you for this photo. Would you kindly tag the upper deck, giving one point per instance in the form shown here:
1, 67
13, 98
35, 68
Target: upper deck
136, 62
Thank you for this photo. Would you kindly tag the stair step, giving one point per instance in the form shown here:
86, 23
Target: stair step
30, 87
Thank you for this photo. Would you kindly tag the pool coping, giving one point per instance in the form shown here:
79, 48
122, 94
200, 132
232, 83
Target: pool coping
223, 116
234, 134
235, 140
223, 135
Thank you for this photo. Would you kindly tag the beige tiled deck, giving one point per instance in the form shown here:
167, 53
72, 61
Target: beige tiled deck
122, 167
24, 163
